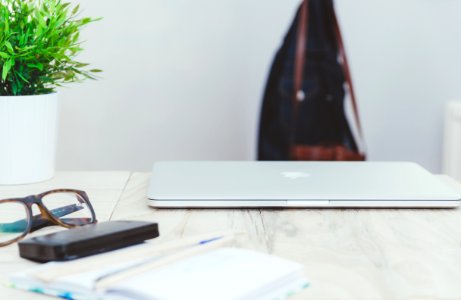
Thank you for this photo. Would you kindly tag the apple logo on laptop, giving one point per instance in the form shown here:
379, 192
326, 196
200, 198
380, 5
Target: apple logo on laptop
295, 175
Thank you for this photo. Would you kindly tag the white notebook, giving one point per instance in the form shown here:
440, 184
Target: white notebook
225, 273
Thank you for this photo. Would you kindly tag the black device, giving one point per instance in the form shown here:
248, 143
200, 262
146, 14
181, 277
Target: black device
87, 240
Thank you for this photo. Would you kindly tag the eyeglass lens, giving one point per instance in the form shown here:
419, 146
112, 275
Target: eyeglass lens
13, 220
70, 208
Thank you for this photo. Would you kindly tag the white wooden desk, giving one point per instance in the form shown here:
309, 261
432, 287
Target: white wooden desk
347, 253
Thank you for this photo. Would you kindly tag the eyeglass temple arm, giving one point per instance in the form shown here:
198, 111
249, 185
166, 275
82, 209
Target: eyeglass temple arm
38, 221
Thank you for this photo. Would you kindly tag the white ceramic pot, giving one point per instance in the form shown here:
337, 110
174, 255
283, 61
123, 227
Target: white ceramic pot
28, 130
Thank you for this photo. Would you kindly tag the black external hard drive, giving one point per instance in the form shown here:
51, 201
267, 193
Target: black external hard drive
87, 240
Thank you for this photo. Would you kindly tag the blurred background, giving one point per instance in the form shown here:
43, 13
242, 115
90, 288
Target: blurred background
184, 79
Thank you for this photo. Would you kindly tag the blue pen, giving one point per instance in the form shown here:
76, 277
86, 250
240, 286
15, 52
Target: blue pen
210, 240
143, 262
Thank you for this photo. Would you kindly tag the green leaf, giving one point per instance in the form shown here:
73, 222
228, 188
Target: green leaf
85, 21
14, 87
7, 26
9, 47
23, 78
95, 71
75, 10
38, 66
6, 68
81, 65
4, 55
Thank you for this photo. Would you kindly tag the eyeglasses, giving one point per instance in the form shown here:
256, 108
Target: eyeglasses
64, 207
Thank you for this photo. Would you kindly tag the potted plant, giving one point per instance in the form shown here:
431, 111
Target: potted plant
39, 42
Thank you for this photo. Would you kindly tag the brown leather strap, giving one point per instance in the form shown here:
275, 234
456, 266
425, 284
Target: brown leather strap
324, 152
347, 74
300, 55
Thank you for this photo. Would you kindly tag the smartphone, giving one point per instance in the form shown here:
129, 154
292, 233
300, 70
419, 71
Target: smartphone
87, 240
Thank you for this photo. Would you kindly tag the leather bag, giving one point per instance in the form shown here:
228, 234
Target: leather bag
303, 110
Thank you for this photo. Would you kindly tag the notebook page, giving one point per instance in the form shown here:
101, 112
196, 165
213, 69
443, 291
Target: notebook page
76, 284
226, 273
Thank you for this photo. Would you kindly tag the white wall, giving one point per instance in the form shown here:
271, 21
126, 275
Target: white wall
184, 79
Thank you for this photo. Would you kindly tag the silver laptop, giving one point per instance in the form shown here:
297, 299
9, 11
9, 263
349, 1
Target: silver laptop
297, 184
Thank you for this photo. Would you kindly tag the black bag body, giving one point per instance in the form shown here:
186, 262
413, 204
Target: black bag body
320, 117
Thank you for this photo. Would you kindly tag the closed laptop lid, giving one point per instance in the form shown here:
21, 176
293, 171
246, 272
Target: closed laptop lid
256, 180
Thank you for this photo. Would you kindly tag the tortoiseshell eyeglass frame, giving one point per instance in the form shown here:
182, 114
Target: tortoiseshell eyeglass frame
49, 217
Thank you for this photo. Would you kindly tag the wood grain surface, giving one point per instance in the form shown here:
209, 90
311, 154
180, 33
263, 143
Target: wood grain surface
347, 253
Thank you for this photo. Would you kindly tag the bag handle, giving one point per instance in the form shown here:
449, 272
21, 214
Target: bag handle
300, 54
347, 74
